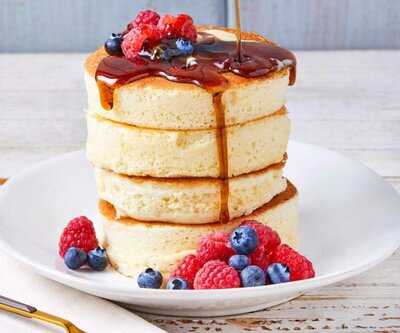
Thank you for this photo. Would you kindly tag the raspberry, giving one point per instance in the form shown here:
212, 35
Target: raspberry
299, 266
215, 246
136, 39
268, 240
216, 274
187, 268
144, 17
166, 26
266, 236
260, 257
185, 27
179, 26
78, 233
189, 31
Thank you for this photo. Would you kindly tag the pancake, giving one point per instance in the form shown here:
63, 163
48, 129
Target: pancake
134, 245
158, 103
136, 151
187, 201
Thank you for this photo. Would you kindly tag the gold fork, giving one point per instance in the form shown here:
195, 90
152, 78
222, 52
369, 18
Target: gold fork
31, 312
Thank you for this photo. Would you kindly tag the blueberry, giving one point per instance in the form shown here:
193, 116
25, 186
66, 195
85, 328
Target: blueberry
113, 45
252, 276
278, 273
184, 46
97, 259
75, 258
239, 262
176, 283
244, 240
168, 54
150, 278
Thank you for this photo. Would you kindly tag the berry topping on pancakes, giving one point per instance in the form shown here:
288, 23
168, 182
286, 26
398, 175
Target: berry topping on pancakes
154, 36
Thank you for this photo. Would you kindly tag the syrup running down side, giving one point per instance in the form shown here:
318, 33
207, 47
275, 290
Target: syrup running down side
211, 58
222, 141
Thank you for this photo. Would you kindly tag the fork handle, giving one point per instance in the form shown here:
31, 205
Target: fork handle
18, 305
28, 311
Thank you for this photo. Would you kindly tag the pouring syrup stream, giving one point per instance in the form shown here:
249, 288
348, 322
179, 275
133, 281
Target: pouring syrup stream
238, 31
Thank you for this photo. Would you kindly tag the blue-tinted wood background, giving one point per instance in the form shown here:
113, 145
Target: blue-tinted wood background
82, 25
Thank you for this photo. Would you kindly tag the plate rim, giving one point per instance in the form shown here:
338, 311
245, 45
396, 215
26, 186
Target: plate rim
93, 286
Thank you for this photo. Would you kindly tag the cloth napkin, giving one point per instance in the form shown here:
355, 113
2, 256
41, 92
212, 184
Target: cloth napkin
89, 313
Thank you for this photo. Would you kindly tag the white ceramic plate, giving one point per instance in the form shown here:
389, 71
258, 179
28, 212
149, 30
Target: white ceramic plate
349, 222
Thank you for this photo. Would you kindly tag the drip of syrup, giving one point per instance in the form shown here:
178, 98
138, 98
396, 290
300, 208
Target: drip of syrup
222, 145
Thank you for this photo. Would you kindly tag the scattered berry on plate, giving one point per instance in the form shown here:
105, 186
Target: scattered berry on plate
214, 246
239, 262
252, 255
244, 240
267, 237
252, 276
75, 258
78, 233
144, 17
299, 266
113, 45
268, 240
184, 46
150, 278
216, 274
260, 257
177, 283
278, 273
187, 268
97, 259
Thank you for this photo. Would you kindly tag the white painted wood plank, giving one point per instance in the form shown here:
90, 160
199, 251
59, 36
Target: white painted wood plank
41, 72
325, 24
45, 25
356, 113
70, 26
41, 133
41, 104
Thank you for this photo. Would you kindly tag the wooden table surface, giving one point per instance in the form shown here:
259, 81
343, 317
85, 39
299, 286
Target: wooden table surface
348, 101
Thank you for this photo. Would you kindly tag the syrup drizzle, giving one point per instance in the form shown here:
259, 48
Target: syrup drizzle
212, 58
222, 145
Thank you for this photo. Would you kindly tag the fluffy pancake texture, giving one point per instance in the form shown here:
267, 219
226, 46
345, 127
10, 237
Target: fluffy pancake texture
158, 155
133, 245
158, 103
190, 201
137, 151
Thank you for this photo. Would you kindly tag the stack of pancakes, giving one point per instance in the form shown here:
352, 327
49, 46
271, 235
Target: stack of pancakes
157, 159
